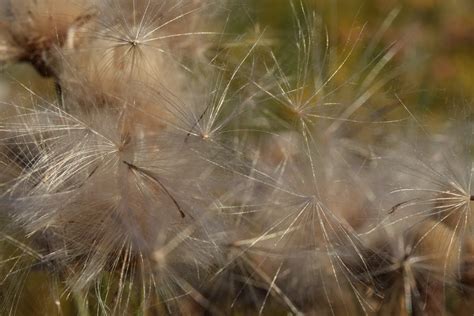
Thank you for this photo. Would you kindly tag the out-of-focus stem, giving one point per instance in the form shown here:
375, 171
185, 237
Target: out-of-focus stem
59, 92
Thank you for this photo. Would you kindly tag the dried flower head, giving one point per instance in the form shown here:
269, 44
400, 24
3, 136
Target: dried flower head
33, 31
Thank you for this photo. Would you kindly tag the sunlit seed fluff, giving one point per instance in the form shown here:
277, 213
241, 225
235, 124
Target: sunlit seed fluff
414, 267
164, 182
140, 40
297, 231
311, 91
438, 184
111, 198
